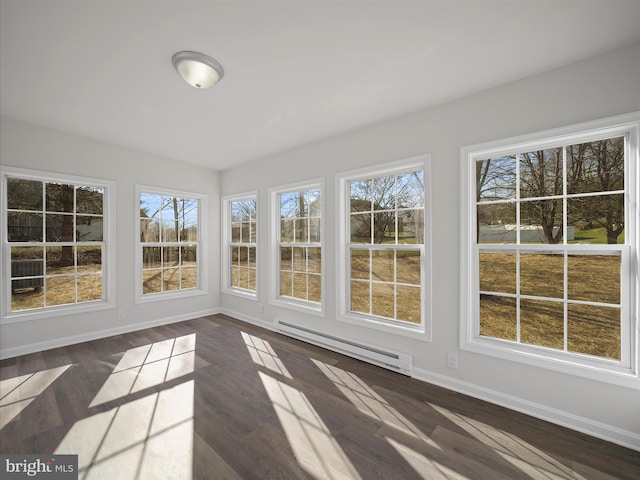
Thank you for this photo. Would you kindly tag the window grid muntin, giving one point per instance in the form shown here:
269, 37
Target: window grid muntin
165, 265
565, 247
251, 272
45, 244
300, 192
395, 247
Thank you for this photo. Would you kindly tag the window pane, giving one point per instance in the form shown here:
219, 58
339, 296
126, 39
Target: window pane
383, 265
286, 256
151, 281
189, 256
498, 272
411, 190
541, 221
408, 267
170, 279
149, 230
27, 294
289, 205
59, 197
411, 226
360, 297
384, 193
24, 194
88, 229
313, 201
597, 219
251, 278
89, 259
384, 227
541, 173
594, 330
150, 205
300, 286
60, 260
90, 288
59, 228
189, 231
28, 268
251, 257
542, 274
496, 223
300, 259
170, 256
286, 283
89, 200
542, 323
151, 257
60, 290
235, 232
24, 227
496, 178
383, 300
361, 196
302, 230
360, 264
498, 317
409, 303
360, 228
596, 166
314, 230
315, 288
169, 232
254, 232
286, 230
314, 259
594, 278
189, 277
235, 277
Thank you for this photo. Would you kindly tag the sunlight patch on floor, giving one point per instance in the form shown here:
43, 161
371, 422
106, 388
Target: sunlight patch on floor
147, 438
149, 366
526, 457
369, 402
18, 392
314, 447
263, 354
423, 466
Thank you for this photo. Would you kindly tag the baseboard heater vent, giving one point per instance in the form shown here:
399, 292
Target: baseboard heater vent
398, 362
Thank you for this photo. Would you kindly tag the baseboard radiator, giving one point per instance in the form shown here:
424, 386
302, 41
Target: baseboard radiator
395, 361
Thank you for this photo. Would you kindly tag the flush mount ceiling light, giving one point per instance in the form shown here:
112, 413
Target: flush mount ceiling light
197, 69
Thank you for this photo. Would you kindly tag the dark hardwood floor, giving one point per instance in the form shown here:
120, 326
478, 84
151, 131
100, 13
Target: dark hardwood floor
215, 398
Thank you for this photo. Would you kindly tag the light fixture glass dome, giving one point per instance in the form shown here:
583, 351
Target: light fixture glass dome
197, 69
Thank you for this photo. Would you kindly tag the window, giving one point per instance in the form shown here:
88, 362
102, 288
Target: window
297, 220
384, 256
241, 273
55, 239
169, 236
551, 246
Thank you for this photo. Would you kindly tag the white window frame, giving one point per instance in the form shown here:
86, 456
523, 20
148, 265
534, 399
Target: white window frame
108, 248
225, 279
201, 261
623, 372
420, 331
274, 295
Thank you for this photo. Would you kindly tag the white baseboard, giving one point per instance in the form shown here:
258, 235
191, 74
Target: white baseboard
248, 318
609, 433
96, 335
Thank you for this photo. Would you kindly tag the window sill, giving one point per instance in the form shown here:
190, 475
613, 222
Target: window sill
607, 371
238, 292
417, 332
49, 312
304, 307
157, 297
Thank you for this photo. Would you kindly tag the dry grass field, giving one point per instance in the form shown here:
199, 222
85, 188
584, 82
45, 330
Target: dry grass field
591, 329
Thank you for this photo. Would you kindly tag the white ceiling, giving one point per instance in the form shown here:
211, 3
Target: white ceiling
295, 72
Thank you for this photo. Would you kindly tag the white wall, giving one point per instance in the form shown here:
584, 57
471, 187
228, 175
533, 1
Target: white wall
603, 86
28, 146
